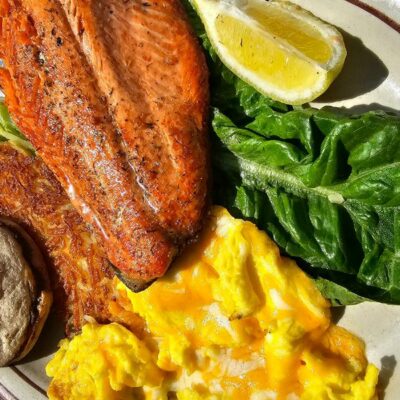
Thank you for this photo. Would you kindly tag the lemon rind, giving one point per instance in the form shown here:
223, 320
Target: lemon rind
327, 72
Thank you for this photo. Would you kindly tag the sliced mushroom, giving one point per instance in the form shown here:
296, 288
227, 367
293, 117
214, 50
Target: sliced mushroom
25, 292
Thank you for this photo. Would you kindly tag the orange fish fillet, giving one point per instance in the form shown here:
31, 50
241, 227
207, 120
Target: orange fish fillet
81, 277
114, 96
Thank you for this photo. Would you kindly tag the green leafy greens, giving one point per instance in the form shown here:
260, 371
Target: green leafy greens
9, 132
324, 185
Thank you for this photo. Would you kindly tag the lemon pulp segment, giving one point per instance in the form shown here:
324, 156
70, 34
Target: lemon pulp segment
302, 36
256, 51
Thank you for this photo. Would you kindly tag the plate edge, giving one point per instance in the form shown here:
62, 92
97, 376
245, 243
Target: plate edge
376, 13
5, 393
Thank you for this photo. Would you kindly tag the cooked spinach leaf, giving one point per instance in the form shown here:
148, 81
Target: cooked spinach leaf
338, 210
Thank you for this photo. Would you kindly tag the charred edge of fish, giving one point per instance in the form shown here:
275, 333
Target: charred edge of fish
136, 285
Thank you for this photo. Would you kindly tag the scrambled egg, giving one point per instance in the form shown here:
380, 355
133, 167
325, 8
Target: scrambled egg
231, 320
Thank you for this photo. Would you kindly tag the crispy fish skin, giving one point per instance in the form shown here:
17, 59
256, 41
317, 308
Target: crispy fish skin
149, 67
81, 277
137, 173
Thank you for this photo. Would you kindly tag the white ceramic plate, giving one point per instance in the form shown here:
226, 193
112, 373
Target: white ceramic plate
370, 80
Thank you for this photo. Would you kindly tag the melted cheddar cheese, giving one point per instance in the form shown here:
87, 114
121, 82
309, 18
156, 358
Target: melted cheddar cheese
233, 319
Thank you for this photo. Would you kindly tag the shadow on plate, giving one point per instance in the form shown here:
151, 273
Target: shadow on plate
363, 72
363, 108
337, 313
47, 344
388, 366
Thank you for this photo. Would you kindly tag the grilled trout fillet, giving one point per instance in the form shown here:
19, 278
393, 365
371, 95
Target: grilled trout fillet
31, 196
113, 94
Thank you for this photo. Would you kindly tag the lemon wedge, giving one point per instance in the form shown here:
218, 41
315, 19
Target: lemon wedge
281, 49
